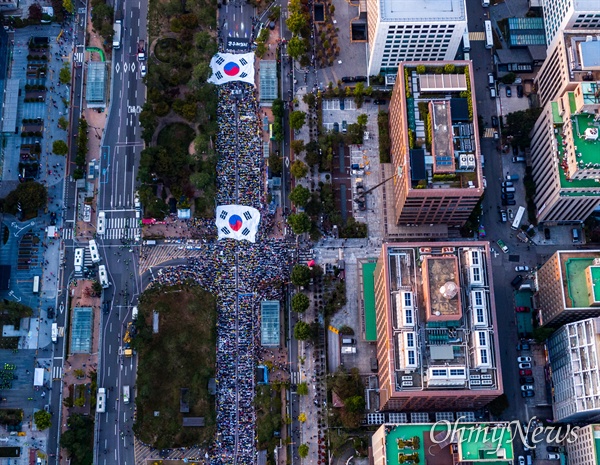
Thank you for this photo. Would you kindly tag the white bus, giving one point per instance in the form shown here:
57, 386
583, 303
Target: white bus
101, 226
78, 260
55, 332
485, 3
103, 276
466, 41
94, 251
125, 394
518, 218
101, 400
36, 284
489, 36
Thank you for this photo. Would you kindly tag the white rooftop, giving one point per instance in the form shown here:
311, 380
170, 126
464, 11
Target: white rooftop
423, 10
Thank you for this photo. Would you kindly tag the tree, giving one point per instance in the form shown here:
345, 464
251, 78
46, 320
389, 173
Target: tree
300, 275
297, 146
79, 439
275, 164
302, 389
296, 47
297, 120
35, 12
64, 76
96, 288
30, 195
302, 417
300, 195
541, 334
362, 119
68, 6
309, 99
63, 123
302, 331
299, 169
60, 147
300, 222
355, 404
303, 451
508, 78
42, 419
300, 302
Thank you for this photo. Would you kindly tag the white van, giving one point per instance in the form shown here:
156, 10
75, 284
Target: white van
492, 92
575, 234
491, 80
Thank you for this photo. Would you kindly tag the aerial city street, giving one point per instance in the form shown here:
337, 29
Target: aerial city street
338, 232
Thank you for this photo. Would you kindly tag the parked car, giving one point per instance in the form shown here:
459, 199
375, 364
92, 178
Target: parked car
336, 127
527, 393
527, 387
507, 184
508, 91
516, 282
379, 101
360, 78
503, 216
520, 91
508, 202
525, 366
523, 359
522, 309
496, 135
348, 79
494, 121
52, 218
553, 456
521, 460
50, 313
523, 346
521, 268
525, 372
143, 70
526, 380
508, 196
553, 448
502, 245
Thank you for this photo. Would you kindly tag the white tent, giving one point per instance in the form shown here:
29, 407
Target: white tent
38, 377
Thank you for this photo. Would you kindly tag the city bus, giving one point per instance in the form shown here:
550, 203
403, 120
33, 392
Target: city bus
466, 41
103, 276
101, 400
36, 284
518, 218
78, 260
101, 226
489, 36
271, 132
94, 251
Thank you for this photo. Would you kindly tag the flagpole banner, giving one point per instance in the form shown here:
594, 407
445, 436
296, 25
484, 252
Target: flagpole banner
229, 67
237, 222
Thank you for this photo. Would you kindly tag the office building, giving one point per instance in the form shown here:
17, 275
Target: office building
585, 450
565, 155
437, 346
573, 57
413, 30
560, 15
567, 287
573, 352
435, 147
428, 443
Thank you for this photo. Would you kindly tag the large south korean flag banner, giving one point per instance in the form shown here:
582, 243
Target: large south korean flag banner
228, 67
237, 222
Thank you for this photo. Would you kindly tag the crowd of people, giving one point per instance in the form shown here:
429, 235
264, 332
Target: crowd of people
239, 274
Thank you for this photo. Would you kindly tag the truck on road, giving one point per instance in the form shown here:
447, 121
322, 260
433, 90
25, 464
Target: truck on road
141, 50
127, 350
118, 29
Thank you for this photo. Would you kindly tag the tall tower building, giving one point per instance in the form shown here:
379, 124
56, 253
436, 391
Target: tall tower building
435, 147
567, 287
413, 30
585, 450
569, 14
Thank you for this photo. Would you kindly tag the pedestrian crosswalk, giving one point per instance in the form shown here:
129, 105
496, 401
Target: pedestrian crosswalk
67, 234
57, 372
87, 262
489, 132
295, 377
122, 228
477, 35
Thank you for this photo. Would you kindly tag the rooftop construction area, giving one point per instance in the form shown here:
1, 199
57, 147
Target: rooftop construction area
574, 270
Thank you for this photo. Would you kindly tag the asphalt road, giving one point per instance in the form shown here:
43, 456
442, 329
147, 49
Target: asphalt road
118, 244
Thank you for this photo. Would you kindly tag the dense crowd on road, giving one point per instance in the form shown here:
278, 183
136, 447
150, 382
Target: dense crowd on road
239, 274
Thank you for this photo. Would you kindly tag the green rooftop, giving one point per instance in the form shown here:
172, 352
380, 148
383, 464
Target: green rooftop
576, 282
588, 151
477, 444
368, 270
595, 271
597, 442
